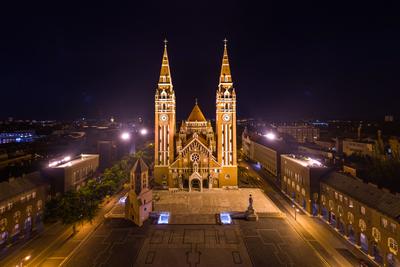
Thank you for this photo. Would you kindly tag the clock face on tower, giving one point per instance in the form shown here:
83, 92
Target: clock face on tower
163, 117
226, 117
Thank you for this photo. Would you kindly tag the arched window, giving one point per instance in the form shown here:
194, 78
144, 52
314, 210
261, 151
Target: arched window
340, 209
3, 224
29, 210
393, 247
362, 225
39, 204
331, 204
350, 217
323, 199
376, 234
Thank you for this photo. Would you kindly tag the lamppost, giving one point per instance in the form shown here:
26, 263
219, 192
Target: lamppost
25, 259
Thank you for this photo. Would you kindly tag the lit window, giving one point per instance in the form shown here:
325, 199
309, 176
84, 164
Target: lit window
350, 217
331, 204
384, 222
362, 210
393, 227
351, 204
341, 198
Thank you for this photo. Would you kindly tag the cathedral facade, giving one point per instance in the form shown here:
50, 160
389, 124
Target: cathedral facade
195, 156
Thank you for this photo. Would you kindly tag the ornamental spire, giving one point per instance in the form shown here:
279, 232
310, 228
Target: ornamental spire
225, 78
165, 80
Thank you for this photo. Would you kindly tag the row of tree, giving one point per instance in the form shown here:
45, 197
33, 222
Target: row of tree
76, 206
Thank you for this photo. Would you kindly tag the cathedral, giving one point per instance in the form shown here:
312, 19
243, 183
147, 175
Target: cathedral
195, 156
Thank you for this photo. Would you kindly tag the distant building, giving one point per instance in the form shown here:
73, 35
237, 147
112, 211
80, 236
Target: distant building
389, 118
300, 133
17, 137
365, 148
366, 215
71, 173
266, 152
301, 180
139, 203
21, 207
314, 150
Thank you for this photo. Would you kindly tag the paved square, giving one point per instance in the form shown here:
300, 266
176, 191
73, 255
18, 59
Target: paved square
213, 201
268, 242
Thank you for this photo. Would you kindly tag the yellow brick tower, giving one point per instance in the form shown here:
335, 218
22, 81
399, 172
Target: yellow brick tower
165, 122
226, 124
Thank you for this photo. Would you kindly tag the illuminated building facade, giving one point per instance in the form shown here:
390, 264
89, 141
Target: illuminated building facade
22, 202
195, 157
139, 202
70, 173
301, 180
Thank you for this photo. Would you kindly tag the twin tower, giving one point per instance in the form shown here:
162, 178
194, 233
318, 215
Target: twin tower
195, 157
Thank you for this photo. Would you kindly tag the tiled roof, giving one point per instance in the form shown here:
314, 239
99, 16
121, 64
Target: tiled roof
370, 195
19, 185
196, 114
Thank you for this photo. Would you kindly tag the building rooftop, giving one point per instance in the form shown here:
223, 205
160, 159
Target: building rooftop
19, 185
368, 194
278, 145
69, 161
305, 161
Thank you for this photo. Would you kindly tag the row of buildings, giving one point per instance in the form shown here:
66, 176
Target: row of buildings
22, 199
367, 216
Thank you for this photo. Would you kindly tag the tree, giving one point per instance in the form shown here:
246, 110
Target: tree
70, 209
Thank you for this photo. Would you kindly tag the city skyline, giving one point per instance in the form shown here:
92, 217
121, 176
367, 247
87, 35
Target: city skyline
99, 61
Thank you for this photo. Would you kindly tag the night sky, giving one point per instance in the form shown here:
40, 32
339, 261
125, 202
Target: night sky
65, 60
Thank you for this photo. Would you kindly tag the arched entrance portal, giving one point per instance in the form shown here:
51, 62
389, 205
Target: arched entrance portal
195, 182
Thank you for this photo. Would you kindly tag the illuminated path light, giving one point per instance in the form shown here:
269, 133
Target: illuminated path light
225, 218
164, 218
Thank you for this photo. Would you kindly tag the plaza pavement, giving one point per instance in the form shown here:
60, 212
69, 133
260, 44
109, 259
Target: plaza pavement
271, 241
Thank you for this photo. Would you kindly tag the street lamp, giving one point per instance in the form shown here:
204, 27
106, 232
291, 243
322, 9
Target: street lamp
25, 259
143, 131
270, 136
125, 136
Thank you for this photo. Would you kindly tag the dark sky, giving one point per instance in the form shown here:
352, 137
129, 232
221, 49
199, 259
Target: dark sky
65, 59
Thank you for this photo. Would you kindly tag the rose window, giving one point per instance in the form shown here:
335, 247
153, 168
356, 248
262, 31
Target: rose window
195, 157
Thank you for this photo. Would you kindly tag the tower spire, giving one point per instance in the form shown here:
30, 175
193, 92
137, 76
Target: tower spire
225, 78
165, 80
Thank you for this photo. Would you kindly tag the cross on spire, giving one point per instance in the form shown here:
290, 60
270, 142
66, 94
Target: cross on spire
225, 42
195, 100
165, 42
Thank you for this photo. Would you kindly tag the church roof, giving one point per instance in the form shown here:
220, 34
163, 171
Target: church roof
225, 78
196, 114
165, 73
140, 166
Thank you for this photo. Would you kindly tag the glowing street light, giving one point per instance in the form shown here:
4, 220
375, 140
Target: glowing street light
143, 131
270, 136
125, 136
